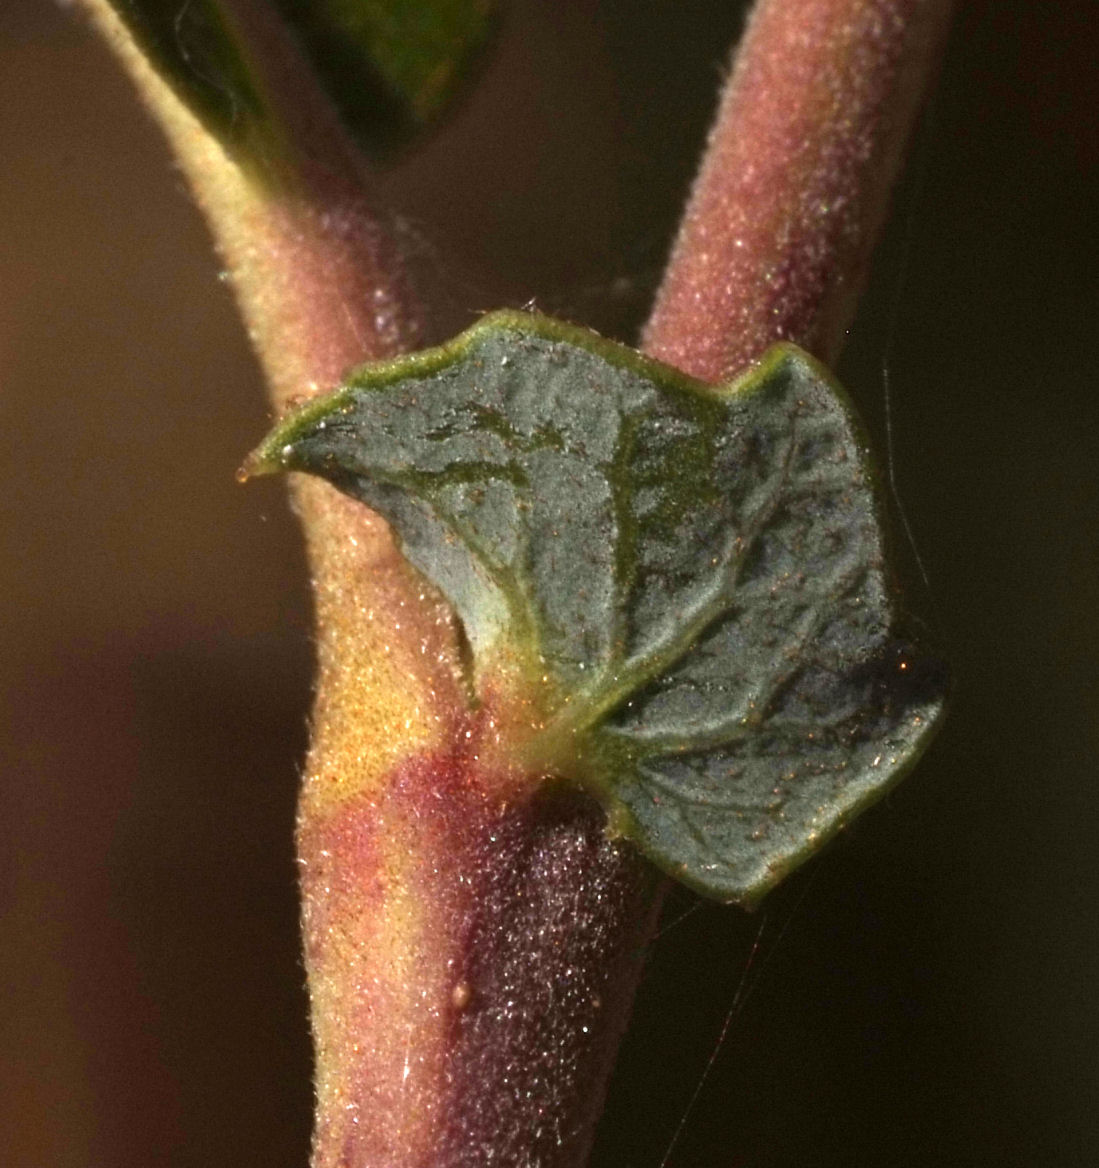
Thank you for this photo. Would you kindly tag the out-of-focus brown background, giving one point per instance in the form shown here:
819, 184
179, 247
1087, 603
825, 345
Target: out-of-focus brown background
925, 994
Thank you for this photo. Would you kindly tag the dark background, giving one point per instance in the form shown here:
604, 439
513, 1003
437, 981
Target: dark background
927, 993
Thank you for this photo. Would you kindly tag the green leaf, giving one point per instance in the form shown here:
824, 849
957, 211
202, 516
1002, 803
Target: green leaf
690, 579
389, 66
194, 47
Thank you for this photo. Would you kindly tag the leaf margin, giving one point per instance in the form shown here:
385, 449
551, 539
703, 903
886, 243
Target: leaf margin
591, 768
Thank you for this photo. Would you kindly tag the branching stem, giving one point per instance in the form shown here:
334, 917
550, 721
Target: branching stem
473, 947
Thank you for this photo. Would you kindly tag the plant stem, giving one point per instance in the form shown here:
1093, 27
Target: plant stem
472, 946
809, 137
472, 937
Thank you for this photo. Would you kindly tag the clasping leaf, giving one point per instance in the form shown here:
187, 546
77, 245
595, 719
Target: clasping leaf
690, 579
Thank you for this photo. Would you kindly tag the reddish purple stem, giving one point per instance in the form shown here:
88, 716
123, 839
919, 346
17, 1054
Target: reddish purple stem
796, 180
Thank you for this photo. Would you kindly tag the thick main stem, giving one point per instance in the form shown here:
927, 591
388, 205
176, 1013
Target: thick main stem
796, 180
472, 943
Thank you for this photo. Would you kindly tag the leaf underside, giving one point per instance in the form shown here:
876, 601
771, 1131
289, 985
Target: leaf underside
698, 571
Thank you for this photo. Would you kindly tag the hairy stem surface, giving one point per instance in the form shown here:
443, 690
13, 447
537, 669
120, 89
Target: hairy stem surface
472, 945
796, 179
472, 937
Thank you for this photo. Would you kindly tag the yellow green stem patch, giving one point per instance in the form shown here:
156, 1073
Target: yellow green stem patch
689, 581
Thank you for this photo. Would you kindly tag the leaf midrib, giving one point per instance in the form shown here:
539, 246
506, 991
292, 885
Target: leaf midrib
592, 705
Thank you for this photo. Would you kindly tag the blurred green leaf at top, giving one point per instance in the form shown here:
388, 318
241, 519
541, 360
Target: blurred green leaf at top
389, 66
192, 45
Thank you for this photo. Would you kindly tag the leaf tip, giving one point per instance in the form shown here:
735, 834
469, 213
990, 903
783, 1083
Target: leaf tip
266, 459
